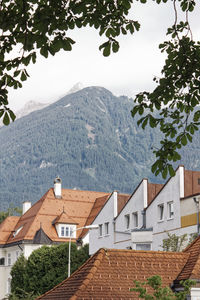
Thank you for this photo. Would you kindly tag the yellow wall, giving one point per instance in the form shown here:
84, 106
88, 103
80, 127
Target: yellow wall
189, 220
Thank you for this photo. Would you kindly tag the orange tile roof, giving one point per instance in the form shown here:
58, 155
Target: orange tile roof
76, 204
63, 218
109, 274
7, 227
192, 267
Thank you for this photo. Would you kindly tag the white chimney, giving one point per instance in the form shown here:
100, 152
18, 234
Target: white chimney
26, 206
58, 187
115, 210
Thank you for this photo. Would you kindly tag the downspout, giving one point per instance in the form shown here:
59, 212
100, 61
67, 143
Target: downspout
197, 204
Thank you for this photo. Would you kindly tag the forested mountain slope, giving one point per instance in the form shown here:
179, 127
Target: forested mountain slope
88, 138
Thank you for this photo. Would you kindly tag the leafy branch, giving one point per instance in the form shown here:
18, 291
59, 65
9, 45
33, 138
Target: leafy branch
41, 27
171, 105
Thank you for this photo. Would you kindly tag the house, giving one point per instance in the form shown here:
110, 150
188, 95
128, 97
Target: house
174, 210
119, 215
55, 218
152, 211
109, 274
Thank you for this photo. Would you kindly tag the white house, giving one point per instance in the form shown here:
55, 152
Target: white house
152, 211
54, 219
119, 215
174, 210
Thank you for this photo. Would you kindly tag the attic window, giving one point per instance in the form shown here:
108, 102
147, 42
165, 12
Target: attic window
67, 231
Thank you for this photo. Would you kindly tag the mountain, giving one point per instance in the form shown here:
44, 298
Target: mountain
88, 138
30, 107
33, 105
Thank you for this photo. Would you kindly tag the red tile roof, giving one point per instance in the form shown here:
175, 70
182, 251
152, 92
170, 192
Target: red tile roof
7, 227
76, 204
192, 267
109, 274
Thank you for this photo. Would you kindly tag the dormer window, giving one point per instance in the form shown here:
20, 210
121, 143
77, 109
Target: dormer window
67, 231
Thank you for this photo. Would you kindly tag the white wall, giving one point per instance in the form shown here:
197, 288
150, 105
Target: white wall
105, 215
5, 270
135, 204
119, 236
170, 192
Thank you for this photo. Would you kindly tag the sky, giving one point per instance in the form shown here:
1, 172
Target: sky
127, 72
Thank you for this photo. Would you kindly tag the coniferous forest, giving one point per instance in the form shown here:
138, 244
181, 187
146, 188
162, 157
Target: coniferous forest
89, 139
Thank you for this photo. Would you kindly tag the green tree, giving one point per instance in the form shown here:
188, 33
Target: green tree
174, 243
177, 243
11, 211
158, 291
18, 274
45, 268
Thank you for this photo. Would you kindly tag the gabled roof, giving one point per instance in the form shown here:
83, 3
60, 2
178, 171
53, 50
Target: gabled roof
109, 274
77, 204
63, 218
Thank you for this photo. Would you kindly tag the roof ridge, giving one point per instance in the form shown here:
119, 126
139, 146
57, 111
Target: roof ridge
100, 255
195, 266
36, 215
191, 245
145, 251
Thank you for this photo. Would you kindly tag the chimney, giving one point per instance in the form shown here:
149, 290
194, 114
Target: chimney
57, 187
115, 210
26, 206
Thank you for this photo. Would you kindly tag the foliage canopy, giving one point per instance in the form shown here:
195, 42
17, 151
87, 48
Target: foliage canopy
32, 27
45, 268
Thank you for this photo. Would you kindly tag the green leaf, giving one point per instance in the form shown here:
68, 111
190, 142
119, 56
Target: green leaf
184, 140
12, 115
6, 119
106, 51
164, 172
23, 76
171, 171
115, 46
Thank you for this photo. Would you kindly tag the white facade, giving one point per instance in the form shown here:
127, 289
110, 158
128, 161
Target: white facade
169, 200
104, 237
120, 225
142, 227
10, 255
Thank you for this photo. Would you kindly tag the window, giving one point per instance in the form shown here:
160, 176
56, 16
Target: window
68, 231
170, 208
9, 259
198, 180
62, 231
135, 219
2, 261
127, 221
106, 228
100, 230
145, 247
161, 212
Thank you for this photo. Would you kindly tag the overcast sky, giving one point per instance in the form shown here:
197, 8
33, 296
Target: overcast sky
124, 73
